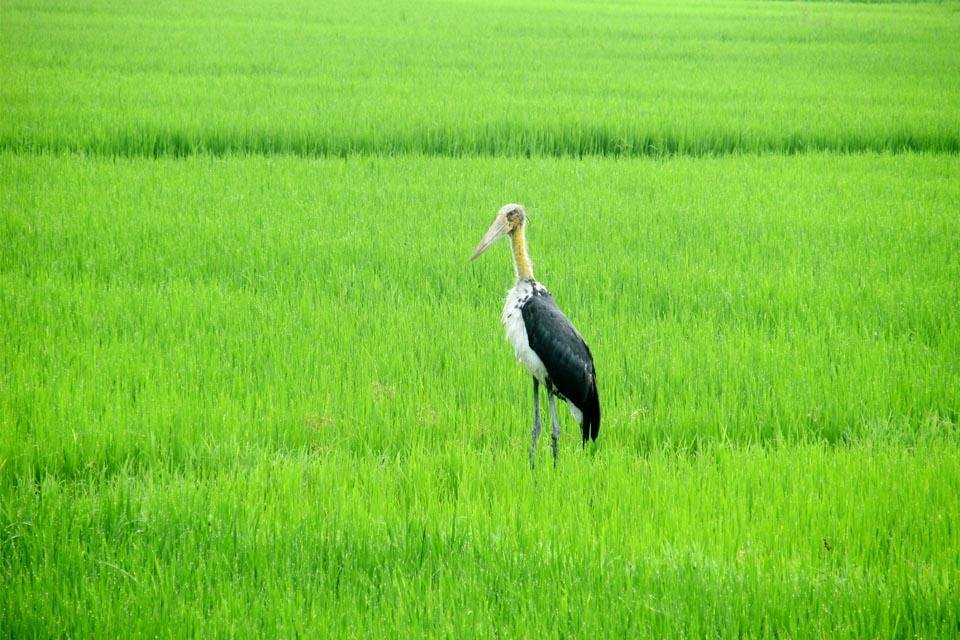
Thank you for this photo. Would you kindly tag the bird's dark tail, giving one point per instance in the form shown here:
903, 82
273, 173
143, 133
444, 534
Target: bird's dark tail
590, 427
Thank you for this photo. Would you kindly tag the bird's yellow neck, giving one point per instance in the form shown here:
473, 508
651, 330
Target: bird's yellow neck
521, 259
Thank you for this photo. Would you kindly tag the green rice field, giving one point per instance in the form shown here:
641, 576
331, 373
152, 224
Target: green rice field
250, 385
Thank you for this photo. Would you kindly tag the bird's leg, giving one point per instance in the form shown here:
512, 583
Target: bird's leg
535, 433
555, 435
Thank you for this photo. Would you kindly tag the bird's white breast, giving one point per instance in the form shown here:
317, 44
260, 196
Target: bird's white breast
517, 332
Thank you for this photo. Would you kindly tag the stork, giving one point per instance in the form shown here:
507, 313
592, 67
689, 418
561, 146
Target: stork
544, 340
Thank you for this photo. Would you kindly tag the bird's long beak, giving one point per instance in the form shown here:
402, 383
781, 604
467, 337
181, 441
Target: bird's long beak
496, 231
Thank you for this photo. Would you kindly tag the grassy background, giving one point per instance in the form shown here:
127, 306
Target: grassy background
457, 78
805, 541
271, 394
164, 308
245, 392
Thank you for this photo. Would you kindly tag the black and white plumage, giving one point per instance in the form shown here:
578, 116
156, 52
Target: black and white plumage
544, 340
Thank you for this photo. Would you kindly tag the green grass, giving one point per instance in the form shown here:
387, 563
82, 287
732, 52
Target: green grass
251, 386
800, 542
271, 395
163, 308
456, 78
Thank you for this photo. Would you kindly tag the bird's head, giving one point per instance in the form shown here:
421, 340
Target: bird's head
510, 218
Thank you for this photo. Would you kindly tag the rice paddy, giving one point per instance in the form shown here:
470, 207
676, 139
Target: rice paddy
251, 386
467, 78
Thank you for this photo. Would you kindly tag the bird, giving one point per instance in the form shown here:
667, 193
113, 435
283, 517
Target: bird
545, 342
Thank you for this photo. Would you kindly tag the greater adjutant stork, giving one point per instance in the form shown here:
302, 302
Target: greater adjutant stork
546, 343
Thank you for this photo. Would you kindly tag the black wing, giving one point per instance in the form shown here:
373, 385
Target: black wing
566, 357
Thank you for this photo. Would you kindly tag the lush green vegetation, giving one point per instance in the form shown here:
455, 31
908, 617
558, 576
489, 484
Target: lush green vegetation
276, 384
464, 78
165, 308
262, 394
454, 541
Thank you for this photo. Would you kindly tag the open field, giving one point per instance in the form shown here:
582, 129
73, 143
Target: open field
449, 541
277, 384
251, 386
166, 308
466, 78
